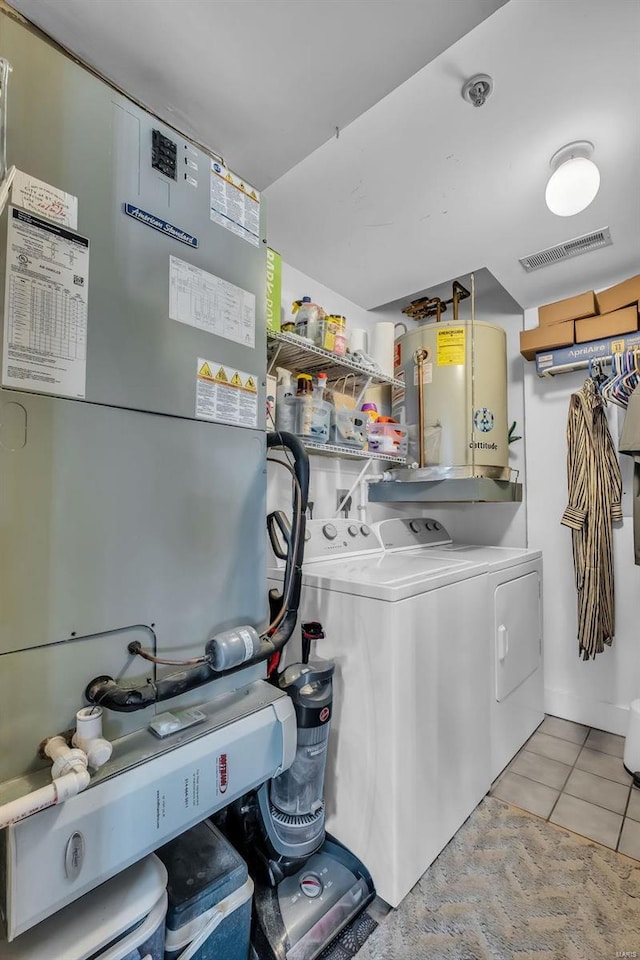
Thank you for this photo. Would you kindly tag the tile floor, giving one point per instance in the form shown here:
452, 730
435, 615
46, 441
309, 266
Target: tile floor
573, 776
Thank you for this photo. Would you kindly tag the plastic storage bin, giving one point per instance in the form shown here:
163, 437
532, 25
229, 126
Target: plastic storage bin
311, 418
349, 428
210, 896
122, 919
389, 438
631, 756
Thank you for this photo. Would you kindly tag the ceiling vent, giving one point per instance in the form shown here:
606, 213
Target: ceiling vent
564, 251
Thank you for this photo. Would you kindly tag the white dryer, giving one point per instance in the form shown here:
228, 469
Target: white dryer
409, 749
514, 587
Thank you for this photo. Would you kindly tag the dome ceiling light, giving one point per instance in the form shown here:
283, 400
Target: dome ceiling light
575, 180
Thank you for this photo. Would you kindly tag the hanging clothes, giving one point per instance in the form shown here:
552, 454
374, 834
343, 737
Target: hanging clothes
630, 444
595, 493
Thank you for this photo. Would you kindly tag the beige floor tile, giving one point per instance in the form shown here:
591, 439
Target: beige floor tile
524, 793
633, 810
565, 729
606, 743
598, 790
542, 769
553, 747
630, 839
603, 765
588, 820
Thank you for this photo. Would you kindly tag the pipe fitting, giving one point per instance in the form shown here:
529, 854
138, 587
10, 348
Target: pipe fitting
65, 759
88, 737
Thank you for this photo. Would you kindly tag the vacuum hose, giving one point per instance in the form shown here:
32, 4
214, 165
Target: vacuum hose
109, 693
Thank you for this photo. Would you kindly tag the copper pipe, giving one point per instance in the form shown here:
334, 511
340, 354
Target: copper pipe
419, 357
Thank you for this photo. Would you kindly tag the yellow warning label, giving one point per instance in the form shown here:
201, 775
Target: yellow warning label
617, 346
236, 379
251, 385
205, 371
222, 375
451, 346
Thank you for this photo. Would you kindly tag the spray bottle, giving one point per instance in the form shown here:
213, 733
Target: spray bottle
285, 412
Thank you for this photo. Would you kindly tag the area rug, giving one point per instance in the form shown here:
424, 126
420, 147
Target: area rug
512, 887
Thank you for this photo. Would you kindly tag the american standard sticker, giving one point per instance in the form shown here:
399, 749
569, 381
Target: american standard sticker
162, 226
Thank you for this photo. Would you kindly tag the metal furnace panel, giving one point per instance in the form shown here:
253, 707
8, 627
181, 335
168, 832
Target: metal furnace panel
111, 518
85, 138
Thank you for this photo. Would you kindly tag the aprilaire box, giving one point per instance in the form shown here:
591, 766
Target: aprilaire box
573, 308
621, 295
607, 324
546, 338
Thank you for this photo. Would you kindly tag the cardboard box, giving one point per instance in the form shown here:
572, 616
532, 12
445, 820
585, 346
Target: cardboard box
622, 295
573, 308
546, 338
607, 325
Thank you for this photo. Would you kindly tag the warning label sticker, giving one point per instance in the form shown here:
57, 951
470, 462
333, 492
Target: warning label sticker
427, 374
451, 346
228, 396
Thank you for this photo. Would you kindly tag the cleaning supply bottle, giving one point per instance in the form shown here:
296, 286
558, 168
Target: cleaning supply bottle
285, 412
320, 386
308, 316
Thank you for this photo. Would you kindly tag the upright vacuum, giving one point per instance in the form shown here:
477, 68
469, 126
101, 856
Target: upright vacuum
308, 886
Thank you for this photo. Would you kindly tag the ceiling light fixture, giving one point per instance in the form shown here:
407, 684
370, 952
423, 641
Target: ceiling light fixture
575, 180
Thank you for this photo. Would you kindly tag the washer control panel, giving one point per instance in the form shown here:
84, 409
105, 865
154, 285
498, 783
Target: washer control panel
419, 532
338, 537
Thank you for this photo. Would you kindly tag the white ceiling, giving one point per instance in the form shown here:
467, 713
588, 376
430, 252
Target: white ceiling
261, 82
421, 187
424, 187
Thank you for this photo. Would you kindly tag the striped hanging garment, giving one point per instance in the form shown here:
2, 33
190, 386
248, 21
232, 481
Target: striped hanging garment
595, 492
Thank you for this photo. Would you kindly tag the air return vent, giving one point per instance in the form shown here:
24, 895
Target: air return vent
563, 251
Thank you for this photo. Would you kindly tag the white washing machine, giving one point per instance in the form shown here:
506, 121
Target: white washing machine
515, 626
409, 750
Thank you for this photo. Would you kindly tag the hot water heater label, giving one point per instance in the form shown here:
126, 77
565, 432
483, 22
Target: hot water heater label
451, 346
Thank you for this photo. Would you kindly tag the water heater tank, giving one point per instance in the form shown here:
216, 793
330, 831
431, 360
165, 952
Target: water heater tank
464, 377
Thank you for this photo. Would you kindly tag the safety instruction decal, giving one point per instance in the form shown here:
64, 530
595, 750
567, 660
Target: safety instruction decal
205, 301
451, 346
226, 395
397, 392
234, 204
427, 373
45, 307
44, 200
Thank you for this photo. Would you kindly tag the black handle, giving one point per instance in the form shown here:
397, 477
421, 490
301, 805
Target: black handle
277, 522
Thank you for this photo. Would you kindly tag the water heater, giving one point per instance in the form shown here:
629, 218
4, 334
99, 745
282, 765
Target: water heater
464, 398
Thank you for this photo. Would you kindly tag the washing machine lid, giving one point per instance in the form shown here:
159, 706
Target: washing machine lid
497, 558
390, 576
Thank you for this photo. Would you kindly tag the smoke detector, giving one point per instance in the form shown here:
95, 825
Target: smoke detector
478, 89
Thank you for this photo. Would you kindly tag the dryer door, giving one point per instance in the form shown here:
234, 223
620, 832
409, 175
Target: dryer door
518, 632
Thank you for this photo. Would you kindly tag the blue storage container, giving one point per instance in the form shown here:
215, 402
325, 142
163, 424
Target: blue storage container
210, 895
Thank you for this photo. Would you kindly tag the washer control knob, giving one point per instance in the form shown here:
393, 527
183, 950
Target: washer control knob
311, 885
352, 531
437, 526
414, 526
330, 531
429, 525
307, 534
365, 530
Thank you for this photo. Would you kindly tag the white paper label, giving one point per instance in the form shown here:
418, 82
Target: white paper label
205, 301
235, 204
225, 395
45, 307
427, 374
39, 197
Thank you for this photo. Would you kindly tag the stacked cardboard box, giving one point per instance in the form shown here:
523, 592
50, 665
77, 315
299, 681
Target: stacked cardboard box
588, 316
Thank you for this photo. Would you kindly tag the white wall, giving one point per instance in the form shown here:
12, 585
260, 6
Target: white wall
595, 692
487, 523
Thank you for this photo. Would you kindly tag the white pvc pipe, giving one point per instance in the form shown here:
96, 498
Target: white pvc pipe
55, 792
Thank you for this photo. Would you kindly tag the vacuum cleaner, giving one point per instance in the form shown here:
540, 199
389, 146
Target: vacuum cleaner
308, 886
